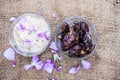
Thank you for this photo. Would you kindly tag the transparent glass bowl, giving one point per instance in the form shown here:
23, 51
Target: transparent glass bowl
92, 31
17, 47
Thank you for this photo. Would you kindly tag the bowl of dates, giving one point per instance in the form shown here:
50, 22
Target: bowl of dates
76, 37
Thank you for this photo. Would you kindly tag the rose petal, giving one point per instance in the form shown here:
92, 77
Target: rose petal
59, 68
60, 58
74, 70
53, 51
86, 65
39, 65
53, 46
52, 61
34, 29
54, 79
54, 16
49, 67
27, 42
35, 58
21, 27
29, 31
27, 66
48, 61
47, 37
14, 64
9, 54
12, 19
41, 35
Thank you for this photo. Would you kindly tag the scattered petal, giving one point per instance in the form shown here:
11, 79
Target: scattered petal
48, 61
35, 58
14, 64
35, 63
86, 65
12, 19
74, 70
49, 67
53, 46
54, 79
59, 68
9, 54
39, 65
53, 51
27, 66
54, 16
60, 58
52, 61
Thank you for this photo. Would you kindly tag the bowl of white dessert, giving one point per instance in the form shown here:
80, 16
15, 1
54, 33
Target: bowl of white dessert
30, 34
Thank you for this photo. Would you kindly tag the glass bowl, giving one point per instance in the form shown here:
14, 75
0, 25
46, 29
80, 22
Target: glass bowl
92, 31
13, 39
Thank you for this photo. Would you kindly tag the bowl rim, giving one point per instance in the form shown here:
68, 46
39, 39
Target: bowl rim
82, 18
11, 36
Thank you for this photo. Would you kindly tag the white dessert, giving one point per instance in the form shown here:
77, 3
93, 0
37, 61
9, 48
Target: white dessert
31, 34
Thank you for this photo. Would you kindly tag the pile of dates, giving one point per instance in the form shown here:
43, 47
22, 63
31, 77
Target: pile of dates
76, 39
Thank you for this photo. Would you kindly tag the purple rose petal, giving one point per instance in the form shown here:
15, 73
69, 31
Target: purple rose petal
39, 65
41, 35
27, 66
34, 29
29, 31
35, 58
52, 61
74, 70
47, 37
14, 64
49, 67
12, 19
54, 79
53, 46
21, 27
59, 68
53, 51
86, 65
48, 61
60, 58
54, 16
35, 63
27, 42
9, 54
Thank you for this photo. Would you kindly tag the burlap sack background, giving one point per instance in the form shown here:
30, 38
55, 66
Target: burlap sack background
104, 13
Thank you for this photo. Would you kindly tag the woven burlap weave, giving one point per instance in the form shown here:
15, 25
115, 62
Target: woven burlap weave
104, 13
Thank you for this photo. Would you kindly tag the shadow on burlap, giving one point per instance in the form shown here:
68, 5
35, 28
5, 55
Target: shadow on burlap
104, 13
